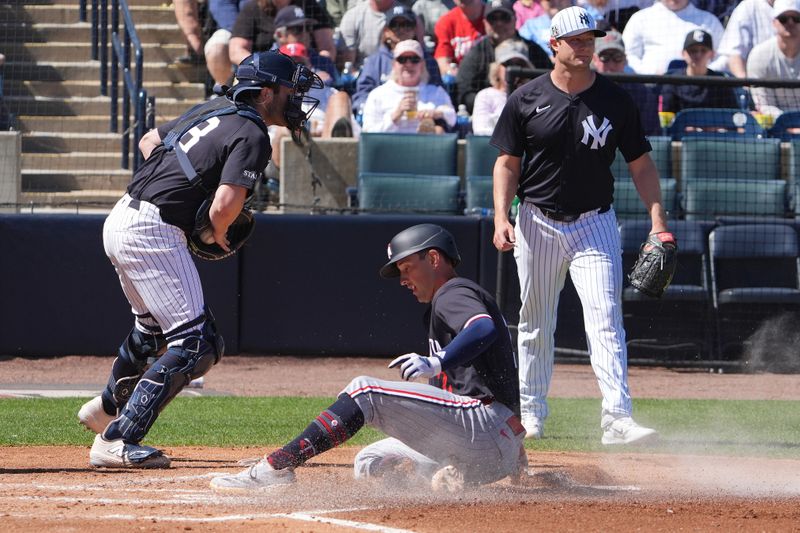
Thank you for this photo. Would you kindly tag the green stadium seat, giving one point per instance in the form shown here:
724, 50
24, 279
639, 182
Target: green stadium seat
479, 192
661, 155
479, 156
627, 203
730, 159
402, 193
408, 153
707, 199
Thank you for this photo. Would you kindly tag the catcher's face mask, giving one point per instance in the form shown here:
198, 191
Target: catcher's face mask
300, 106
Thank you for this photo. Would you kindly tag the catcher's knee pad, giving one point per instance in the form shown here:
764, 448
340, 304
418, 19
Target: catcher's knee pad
129, 365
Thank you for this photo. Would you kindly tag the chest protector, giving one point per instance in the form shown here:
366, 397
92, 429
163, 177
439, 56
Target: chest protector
198, 114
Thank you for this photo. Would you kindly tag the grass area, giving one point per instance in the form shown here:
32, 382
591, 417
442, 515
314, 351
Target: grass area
727, 427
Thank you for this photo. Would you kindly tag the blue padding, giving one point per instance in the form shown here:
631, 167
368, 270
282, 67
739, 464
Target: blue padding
691, 235
311, 285
62, 296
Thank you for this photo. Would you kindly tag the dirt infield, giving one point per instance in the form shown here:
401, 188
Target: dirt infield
52, 488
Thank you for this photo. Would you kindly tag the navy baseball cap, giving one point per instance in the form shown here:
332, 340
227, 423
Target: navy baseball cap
292, 16
400, 11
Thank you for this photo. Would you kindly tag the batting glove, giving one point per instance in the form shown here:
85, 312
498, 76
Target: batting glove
413, 366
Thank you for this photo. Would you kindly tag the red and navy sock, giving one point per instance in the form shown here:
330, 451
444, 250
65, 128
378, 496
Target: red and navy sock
331, 428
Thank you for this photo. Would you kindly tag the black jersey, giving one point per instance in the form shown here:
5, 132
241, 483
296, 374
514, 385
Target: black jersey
228, 149
568, 142
493, 373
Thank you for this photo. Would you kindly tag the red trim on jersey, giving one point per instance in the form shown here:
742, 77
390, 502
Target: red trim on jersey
476, 317
470, 403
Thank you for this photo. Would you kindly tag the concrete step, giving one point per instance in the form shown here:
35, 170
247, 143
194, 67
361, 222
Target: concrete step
67, 14
84, 69
65, 51
60, 142
60, 178
82, 124
87, 89
78, 199
80, 32
84, 162
79, 106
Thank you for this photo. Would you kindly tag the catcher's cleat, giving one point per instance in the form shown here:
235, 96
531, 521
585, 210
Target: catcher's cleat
260, 476
448, 479
534, 427
624, 430
119, 454
93, 416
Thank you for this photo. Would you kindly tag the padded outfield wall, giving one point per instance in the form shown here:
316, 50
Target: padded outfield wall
302, 285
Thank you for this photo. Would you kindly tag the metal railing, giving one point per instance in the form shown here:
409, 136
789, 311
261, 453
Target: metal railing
133, 94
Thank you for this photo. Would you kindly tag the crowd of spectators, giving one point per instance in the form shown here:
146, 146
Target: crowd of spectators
455, 53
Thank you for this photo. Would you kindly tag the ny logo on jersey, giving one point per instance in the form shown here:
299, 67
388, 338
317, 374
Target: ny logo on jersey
598, 135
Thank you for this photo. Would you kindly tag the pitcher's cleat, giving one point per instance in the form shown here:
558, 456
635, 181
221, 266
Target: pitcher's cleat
624, 430
260, 476
534, 427
448, 479
93, 416
118, 454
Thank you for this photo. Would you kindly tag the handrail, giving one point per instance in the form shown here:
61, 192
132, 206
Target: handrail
132, 91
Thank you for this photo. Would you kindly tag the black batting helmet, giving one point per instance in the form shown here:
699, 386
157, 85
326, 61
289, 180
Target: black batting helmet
416, 239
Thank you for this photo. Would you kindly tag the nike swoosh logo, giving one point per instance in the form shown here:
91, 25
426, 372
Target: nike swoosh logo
540, 109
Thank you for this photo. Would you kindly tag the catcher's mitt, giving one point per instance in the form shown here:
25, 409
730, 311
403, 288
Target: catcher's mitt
658, 258
238, 232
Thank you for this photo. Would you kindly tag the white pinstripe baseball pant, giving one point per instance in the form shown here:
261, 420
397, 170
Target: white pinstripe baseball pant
155, 267
589, 248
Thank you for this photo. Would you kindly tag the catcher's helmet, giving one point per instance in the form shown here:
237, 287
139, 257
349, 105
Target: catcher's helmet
416, 239
275, 68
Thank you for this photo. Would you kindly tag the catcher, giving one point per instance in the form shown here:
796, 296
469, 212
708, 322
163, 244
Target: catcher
459, 428
189, 194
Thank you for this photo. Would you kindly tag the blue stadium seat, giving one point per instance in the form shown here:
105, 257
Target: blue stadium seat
679, 324
755, 275
786, 126
714, 122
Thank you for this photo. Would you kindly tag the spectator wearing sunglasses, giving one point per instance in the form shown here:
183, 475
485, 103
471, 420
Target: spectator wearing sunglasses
499, 26
778, 58
749, 24
401, 25
407, 102
609, 57
698, 50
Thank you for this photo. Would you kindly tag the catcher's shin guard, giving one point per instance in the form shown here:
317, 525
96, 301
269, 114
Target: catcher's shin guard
129, 365
161, 383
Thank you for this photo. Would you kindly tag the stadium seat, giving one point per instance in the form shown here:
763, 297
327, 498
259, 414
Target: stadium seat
479, 157
661, 155
786, 126
408, 153
679, 324
730, 159
479, 193
401, 193
706, 199
627, 203
714, 122
755, 276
